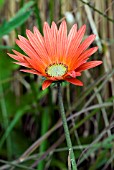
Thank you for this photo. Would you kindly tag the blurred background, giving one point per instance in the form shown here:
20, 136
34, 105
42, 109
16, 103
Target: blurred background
31, 135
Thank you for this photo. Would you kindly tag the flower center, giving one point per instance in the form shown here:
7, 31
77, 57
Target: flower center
56, 70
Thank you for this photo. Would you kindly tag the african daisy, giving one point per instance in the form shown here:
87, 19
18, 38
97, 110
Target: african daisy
55, 55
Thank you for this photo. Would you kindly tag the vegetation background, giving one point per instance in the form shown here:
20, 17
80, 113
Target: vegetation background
31, 134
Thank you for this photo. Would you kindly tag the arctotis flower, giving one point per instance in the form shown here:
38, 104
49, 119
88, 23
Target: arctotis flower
56, 55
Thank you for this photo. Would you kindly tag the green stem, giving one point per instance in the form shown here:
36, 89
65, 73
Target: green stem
67, 134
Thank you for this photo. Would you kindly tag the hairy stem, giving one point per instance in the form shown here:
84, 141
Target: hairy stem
67, 134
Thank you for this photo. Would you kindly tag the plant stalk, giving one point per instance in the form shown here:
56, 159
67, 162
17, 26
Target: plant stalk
67, 134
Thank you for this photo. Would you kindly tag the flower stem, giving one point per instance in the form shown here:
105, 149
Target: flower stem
67, 134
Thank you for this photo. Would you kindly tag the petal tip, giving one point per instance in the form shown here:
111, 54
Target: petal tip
93, 36
27, 31
46, 24
84, 26
96, 48
74, 81
100, 62
19, 36
17, 41
35, 28
46, 84
64, 21
53, 23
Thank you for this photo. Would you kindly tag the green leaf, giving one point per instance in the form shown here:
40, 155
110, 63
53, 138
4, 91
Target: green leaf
13, 123
1, 3
17, 20
6, 66
3, 47
23, 9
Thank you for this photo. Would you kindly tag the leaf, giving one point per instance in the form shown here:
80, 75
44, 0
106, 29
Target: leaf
23, 9
13, 123
6, 66
17, 20
1, 3
2, 47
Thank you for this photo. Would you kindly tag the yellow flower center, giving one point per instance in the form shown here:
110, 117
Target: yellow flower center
56, 70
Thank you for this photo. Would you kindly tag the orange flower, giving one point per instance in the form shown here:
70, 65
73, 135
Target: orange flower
56, 56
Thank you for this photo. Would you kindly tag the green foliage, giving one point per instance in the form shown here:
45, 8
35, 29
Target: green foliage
1, 3
22, 15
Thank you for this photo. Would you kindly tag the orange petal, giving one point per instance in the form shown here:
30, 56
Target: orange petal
72, 33
20, 56
38, 47
71, 36
86, 43
35, 65
48, 38
54, 32
54, 29
88, 65
83, 57
31, 53
74, 74
41, 43
27, 48
31, 71
25, 64
15, 57
24, 40
61, 41
74, 44
88, 53
46, 84
38, 35
74, 81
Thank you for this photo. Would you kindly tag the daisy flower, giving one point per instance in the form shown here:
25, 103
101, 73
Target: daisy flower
56, 55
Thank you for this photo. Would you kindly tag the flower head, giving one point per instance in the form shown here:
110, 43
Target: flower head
55, 55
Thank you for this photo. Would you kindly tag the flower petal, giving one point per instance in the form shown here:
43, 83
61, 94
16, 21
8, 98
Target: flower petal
86, 43
54, 29
16, 57
35, 65
83, 57
72, 33
61, 42
38, 35
71, 36
46, 84
88, 65
74, 44
74, 74
25, 64
25, 45
34, 59
54, 32
19, 57
48, 38
31, 71
38, 47
23, 39
74, 81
